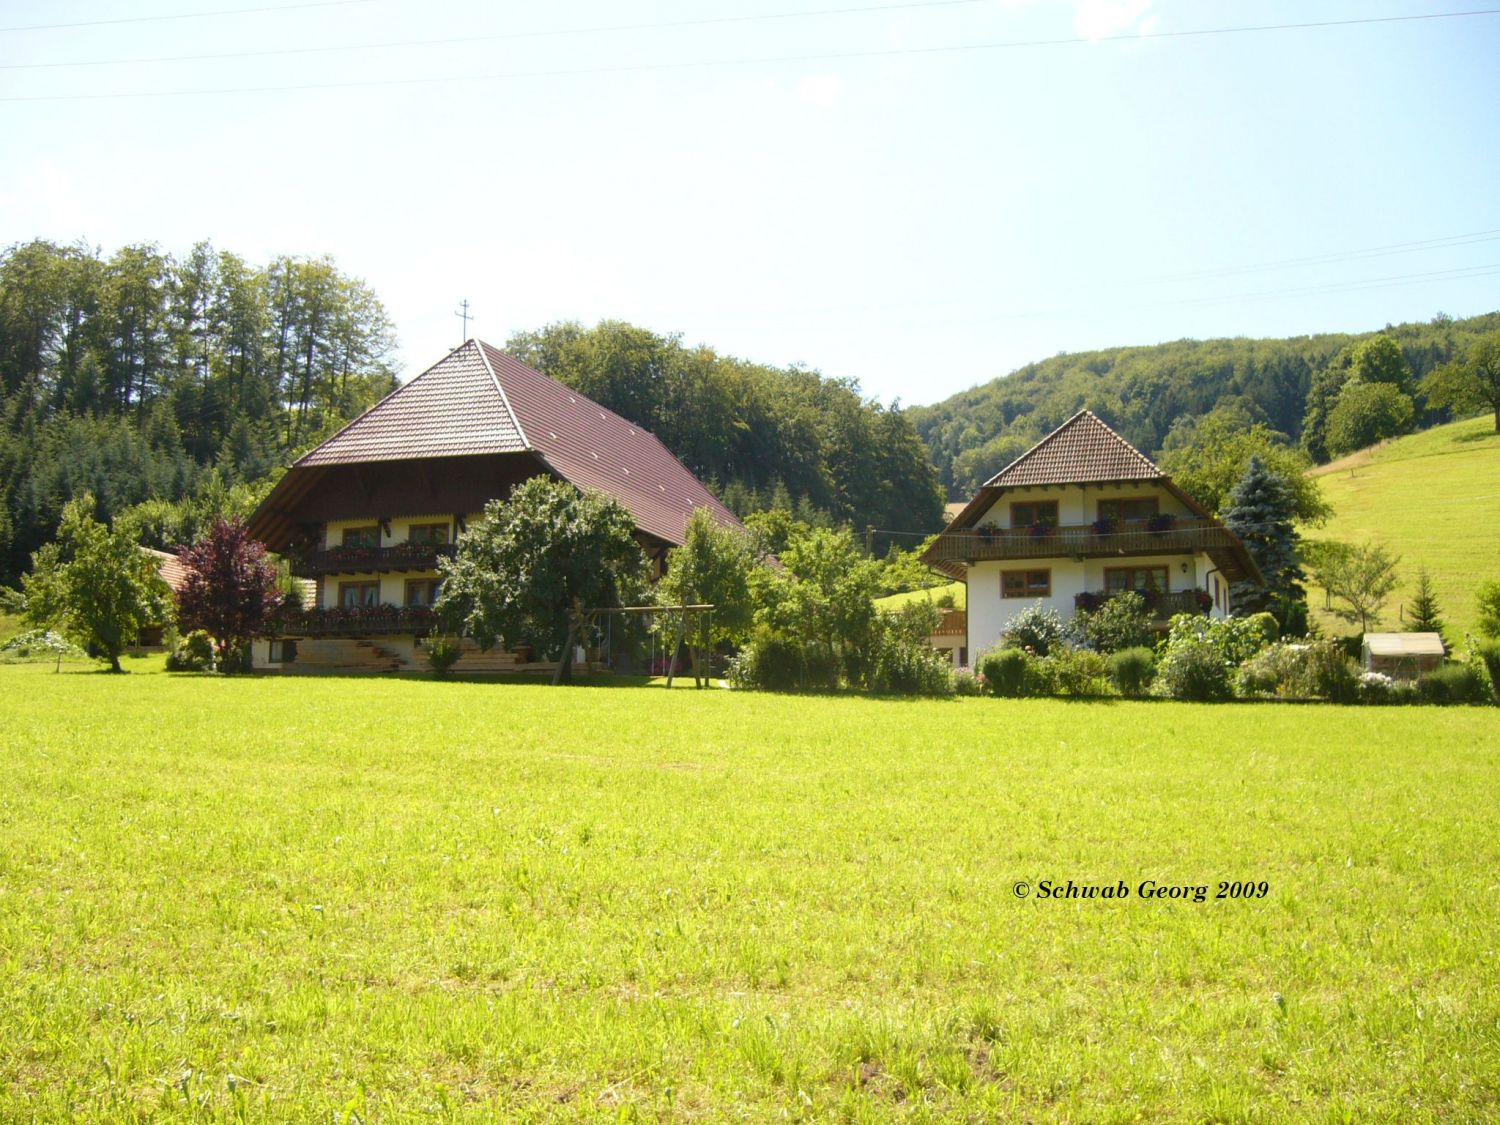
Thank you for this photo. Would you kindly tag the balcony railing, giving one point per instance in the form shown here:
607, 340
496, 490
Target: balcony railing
1161, 606
354, 621
367, 560
1164, 537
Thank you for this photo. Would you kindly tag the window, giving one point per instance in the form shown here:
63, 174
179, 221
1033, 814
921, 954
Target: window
1142, 579
422, 591
353, 595
428, 534
1025, 513
1026, 584
283, 652
1134, 509
362, 536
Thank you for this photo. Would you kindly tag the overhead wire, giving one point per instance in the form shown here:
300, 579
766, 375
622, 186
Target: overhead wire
706, 64
258, 10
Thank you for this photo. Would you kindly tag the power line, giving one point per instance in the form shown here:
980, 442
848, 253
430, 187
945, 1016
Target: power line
458, 40
1334, 257
1458, 273
187, 15
829, 56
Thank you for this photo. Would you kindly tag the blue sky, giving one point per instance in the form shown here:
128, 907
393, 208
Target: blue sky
921, 220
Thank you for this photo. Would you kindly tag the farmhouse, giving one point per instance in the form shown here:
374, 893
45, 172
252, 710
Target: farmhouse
1080, 517
368, 514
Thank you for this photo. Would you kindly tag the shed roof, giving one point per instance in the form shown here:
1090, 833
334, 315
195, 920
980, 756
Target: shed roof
1405, 644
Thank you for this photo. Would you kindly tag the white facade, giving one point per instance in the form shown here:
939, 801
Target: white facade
1056, 581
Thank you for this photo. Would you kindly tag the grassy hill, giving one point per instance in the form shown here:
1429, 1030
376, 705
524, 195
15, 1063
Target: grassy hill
896, 601
1434, 498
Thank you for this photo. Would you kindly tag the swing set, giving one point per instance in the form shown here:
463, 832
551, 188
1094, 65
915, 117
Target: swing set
587, 622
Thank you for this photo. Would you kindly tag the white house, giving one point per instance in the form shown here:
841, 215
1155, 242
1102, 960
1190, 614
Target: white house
1076, 519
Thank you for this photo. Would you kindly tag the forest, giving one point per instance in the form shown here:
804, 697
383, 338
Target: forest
1148, 392
173, 387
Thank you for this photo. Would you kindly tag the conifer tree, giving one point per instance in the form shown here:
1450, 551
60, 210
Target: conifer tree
1260, 511
1426, 615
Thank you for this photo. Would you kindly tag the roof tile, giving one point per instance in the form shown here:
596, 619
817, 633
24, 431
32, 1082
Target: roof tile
1082, 450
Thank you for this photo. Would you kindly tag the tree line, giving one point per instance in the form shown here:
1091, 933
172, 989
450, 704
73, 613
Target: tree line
1155, 396
141, 376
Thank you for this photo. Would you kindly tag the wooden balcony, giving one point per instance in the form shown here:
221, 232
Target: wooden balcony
1180, 537
371, 560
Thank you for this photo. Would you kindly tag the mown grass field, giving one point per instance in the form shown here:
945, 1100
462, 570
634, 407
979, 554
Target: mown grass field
1434, 499
390, 900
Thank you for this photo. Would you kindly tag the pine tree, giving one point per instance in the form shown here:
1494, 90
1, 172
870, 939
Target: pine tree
1425, 614
1260, 511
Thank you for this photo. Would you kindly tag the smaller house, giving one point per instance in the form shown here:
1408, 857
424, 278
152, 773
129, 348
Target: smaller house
1403, 656
171, 570
951, 637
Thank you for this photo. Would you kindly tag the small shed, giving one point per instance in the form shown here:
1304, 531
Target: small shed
951, 637
1403, 656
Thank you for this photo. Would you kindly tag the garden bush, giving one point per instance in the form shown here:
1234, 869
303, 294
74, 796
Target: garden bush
773, 661
1120, 623
1311, 670
1194, 669
1078, 671
1132, 669
967, 682
194, 653
1036, 627
38, 645
1267, 625
1005, 671
902, 667
1453, 683
1488, 654
443, 652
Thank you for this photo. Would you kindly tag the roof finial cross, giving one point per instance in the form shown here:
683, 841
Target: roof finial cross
463, 311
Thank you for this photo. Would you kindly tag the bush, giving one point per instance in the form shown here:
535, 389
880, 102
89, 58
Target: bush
1453, 684
1377, 688
1121, 622
1267, 626
1132, 669
1488, 654
1037, 628
1318, 669
1079, 671
773, 661
443, 652
904, 668
1194, 669
1005, 671
967, 682
194, 653
38, 645
1488, 598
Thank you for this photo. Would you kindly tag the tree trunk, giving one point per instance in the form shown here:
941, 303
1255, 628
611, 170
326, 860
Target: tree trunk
114, 662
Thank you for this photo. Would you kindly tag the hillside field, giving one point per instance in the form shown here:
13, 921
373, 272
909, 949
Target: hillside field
1433, 498
387, 900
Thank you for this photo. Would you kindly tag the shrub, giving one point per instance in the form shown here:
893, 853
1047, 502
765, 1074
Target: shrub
1037, 628
1488, 598
1488, 653
1079, 671
1267, 625
1121, 622
443, 651
1376, 688
905, 668
1453, 683
967, 682
773, 661
1194, 669
1005, 671
1132, 669
1318, 669
194, 653
36, 645
820, 667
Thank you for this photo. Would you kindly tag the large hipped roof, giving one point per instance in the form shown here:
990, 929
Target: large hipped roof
1083, 450
480, 401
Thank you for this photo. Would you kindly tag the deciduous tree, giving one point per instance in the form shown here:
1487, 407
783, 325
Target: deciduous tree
230, 590
1473, 384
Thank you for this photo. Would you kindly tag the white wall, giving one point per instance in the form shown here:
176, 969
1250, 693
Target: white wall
1079, 505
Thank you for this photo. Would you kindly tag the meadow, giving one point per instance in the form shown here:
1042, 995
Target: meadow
334, 899
1433, 498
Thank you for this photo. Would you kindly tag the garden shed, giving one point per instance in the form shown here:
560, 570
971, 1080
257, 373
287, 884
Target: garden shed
1403, 656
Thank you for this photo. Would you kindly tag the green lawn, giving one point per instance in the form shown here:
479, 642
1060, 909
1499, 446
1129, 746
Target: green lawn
958, 590
1434, 498
386, 900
